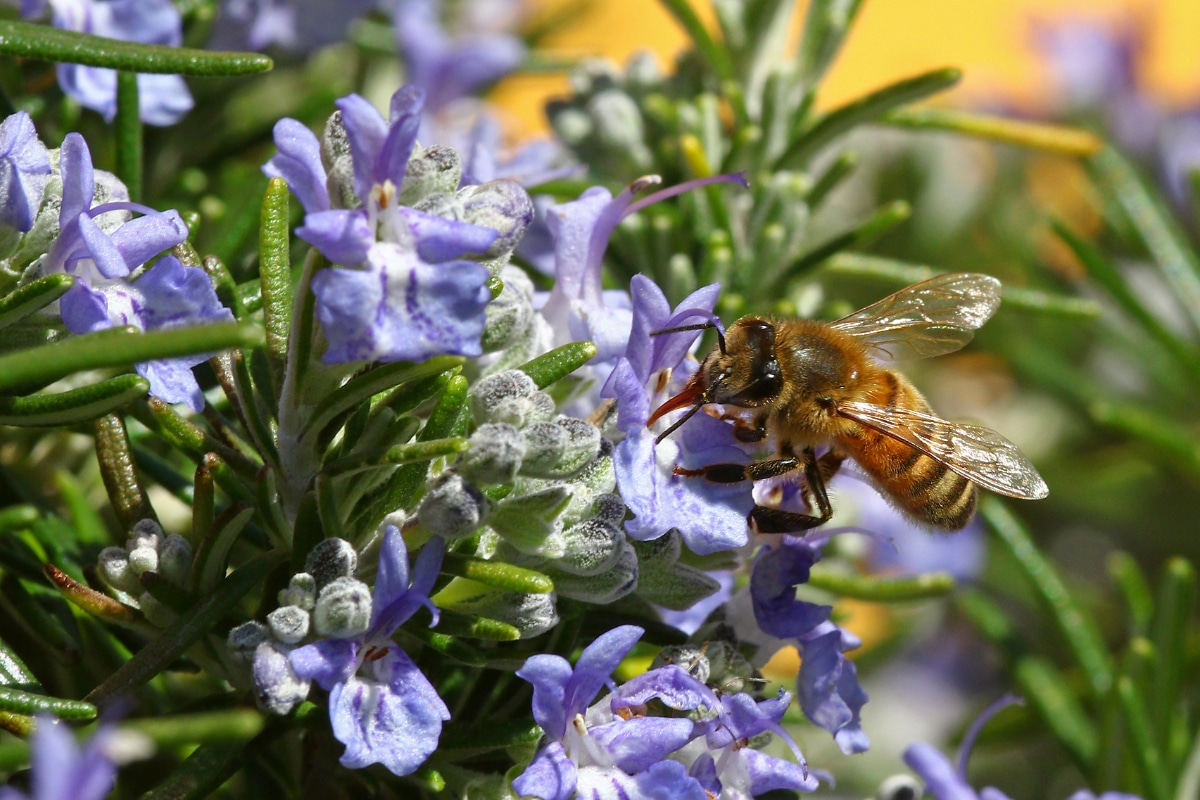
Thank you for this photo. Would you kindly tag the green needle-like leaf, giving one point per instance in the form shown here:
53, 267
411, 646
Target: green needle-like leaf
275, 272
1128, 576
33, 297
72, 407
866, 109
1169, 632
119, 472
825, 28
1035, 135
1146, 754
558, 363
1046, 691
471, 626
19, 702
883, 590
712, 51
128, 134
14, 673
43, 42
1078, 628
498, 574
41, 365
464, 740
230, 725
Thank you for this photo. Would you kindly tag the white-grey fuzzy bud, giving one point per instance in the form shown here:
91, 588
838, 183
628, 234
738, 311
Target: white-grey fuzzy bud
583, 444
143, 559
667, 582
545, 445
619, 125
289, 624
244, 639
501, 397
502, 205
690, 657
329, 560
495, 454
146, 533
339, 164
527, 521
113, 566
532, 614
175, 559
642, 72
592, 546
453, 507
277, 687
509, 318
611, 585
343, 609
301, 591
609, 507
598, 475
430, 170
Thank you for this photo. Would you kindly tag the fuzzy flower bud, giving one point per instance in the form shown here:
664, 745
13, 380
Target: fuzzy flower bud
143, 559
434, 170
145, 533
609, 507
277, 686
244, 639
175, 559
343, 609
289, 624
113, 565
509, 316
301, 591
329, 560
495, 454
608, 586
510, 396
532, 614
592, 547
452, 508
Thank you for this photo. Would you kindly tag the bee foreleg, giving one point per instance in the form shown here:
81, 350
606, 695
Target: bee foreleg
734, 473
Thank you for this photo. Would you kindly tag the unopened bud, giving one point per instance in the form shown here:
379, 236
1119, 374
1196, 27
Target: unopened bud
244, 639
343, 609
329, 560
289, 624
502, 205
145, 533
301, 591
432, 170
592, 546
604, 588
277, 686
495, 454
175, 559
453, 507
143, 559
113, 565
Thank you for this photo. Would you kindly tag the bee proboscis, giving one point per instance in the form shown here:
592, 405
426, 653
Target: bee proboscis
809, 384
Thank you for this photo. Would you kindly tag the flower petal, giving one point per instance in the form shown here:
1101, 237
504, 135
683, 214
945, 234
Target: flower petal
596, 664
638, 743
298, 162
440, 239
550, 776
367, 132
942, 782
666, 780
549, 676
329, 662
344, 237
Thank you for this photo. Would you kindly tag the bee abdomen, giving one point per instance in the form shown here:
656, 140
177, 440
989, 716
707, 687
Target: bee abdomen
925, 488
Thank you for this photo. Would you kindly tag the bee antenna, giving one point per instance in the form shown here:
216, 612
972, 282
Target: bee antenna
699, 326
691, 413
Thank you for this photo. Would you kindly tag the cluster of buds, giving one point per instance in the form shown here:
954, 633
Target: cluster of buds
147, 550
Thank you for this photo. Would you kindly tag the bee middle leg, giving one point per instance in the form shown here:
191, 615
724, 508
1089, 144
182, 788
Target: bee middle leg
816, 472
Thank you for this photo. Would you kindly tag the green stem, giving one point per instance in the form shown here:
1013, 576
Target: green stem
129, 135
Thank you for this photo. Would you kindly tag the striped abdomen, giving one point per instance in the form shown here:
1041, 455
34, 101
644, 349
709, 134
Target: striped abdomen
923, 487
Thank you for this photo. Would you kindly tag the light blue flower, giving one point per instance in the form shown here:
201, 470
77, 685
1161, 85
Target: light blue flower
381, 706
24, 170
64, 771
162, 99
292, 25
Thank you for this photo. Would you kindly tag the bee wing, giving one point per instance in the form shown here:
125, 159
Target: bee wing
926, 319
980, 455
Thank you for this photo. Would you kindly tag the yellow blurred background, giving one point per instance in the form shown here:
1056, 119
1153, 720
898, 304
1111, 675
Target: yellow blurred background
991, 40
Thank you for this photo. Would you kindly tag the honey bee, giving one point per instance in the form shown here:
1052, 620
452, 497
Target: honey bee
809, 384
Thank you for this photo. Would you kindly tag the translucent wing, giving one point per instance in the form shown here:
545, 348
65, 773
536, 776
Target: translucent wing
926, 319
980, 455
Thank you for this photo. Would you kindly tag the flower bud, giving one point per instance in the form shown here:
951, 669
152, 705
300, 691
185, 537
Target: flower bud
610, 508
608, 586
690, 657
619, 126
175, 559
431, 170
529, 522
532, 614
329, 560
598, 475
277, 686
495, 454
343, 609
301, 591
289, 624
452, 508
509, 318
667, 582
145, 533
510, 396
583, 444
339, 164
545, 446
143, 559
244, 639
502, 205
113, 566
592, 546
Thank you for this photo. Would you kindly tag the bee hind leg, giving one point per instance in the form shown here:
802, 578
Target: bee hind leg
816, 472
735, 473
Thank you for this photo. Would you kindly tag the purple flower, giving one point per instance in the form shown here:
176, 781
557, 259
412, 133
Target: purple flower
63, 771
601, 749
294, 25
827, 685
24, 170
409, 297
578, 308
943, 781
450, 66
710, 516
101, 249
381, 706
163, 99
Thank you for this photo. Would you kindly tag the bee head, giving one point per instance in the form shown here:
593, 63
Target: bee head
745, 372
